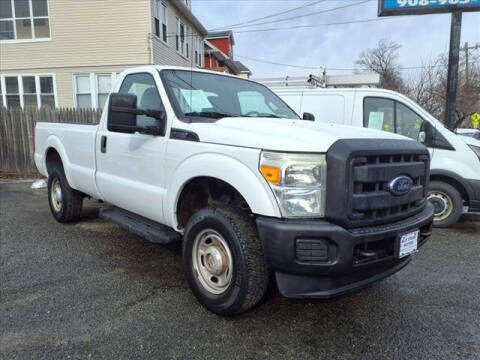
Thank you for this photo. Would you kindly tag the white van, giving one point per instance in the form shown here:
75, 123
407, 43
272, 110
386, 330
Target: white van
455, 165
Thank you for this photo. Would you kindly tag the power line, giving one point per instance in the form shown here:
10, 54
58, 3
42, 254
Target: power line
327, 68
315, 25
304, 15
269, 16
298, 26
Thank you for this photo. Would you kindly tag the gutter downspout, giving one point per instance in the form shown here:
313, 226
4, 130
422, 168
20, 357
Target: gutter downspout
150, 48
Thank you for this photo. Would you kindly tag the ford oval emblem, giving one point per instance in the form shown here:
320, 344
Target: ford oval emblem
401, 185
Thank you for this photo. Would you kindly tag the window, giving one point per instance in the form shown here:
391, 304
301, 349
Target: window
104, 86
187, 49
198, 50
177, 40
47, 96
408, 123
12, 91
23, 91
160, 20
254, 102
217, 96
24, 20
180, 37
379, 114
29, 91
83, 92
144, 87
392, 116
92, 90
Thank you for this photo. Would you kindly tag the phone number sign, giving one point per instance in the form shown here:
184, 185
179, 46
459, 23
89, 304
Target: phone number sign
418, 7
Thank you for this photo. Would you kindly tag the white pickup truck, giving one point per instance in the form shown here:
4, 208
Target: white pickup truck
251, 189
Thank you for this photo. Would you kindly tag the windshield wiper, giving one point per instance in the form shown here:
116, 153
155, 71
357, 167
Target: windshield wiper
210, 114
267, 116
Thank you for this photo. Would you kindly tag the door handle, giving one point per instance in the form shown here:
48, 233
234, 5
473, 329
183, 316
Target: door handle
103, 144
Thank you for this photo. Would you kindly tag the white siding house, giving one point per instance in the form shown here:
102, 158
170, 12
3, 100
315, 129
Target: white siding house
68, 53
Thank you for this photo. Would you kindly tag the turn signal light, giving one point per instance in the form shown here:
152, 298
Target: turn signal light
271, 173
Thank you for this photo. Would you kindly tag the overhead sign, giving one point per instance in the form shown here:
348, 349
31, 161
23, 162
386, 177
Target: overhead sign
418, 7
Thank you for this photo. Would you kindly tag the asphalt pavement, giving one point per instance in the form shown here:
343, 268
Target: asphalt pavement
91, 290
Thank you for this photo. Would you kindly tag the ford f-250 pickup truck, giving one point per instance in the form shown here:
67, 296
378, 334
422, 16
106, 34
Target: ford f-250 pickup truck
250, 188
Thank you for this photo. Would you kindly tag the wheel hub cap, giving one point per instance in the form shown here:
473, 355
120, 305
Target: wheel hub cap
442, 204
56, 196
212, 261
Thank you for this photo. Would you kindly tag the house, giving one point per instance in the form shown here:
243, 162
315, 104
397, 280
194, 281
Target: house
219, 54
68, 53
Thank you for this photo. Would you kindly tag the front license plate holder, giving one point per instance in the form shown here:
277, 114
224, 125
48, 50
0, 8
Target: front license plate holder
406, 244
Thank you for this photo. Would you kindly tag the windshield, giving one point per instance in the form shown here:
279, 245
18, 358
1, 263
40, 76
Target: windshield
197, 95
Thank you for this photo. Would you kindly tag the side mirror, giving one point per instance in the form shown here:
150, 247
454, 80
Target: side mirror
122, 116
422, 137
426, 134
308, 116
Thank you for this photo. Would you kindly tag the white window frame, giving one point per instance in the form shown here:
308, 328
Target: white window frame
188, 48
160, 14
93, 77
31, 18
199, 48
163, 21
181, 47
20, 87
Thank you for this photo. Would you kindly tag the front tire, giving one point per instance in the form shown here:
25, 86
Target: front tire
65, 202
224, 261
447, 203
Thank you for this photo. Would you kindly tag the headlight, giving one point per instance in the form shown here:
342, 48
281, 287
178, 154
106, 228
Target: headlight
298, 182
476, 150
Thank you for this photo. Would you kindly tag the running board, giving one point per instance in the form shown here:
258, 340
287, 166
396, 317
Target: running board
138, 225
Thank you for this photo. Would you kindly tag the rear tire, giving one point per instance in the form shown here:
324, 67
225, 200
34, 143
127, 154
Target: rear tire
65, 202
224, 261
448, 204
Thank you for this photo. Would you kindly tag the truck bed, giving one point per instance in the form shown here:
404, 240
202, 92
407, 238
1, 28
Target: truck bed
74, 143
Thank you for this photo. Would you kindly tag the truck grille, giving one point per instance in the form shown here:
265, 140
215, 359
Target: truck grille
363, 176
371, 198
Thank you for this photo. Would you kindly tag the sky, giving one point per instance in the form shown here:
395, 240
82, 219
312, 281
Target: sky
422, 37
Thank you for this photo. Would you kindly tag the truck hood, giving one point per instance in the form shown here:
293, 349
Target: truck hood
470, 141
280, 134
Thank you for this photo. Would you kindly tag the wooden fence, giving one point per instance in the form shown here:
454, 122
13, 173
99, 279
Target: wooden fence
17, 128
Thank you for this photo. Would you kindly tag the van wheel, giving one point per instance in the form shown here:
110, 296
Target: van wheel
447, 203
224, 261
65, 202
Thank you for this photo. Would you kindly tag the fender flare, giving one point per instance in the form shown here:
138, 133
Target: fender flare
251, 186
53, 142
457, 178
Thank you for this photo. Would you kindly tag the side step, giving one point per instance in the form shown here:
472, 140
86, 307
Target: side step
143, 227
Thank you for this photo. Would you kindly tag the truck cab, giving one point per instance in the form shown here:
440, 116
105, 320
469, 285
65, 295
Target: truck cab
226, 167
455, 160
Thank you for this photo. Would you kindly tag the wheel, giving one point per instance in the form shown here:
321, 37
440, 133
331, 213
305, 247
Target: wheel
224, 261
447, 203
65, 202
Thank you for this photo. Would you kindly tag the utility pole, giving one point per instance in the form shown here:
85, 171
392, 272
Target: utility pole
467, 62
453, 59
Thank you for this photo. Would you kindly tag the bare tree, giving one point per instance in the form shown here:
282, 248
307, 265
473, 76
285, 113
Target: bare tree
383, 61
428, 87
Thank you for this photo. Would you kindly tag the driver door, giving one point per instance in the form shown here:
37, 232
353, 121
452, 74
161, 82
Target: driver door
130, 167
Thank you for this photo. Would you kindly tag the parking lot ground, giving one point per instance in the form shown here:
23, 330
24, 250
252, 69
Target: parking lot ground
92, 290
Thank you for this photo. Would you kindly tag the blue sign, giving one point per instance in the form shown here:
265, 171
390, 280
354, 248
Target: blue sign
413, 7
